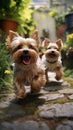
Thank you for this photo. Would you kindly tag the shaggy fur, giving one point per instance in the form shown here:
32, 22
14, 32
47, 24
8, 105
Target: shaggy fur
27, 67
52, 57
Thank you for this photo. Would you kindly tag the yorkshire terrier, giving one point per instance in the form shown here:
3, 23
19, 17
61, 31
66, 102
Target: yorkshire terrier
52, 58
27, 67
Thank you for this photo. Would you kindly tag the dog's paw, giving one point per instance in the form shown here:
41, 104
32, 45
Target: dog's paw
21, 95
58, 77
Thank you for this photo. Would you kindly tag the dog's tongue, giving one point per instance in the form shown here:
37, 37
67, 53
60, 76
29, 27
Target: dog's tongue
26, 60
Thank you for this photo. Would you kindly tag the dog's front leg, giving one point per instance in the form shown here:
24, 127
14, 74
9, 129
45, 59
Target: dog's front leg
38, 81
46, 73
58, 73
19, 88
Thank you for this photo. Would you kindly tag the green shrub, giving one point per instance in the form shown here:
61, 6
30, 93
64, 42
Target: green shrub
68, 72
5, 72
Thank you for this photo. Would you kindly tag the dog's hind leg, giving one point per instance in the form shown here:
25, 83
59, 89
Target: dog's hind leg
46, 73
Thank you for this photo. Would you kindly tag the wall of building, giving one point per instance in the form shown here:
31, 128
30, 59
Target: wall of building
45, 22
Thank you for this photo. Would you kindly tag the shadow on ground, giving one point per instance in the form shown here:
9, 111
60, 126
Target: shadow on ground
19, 108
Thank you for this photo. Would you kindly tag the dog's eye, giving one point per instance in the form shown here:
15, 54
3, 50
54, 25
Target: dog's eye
30, 46
56, 48
19, 47
48, 48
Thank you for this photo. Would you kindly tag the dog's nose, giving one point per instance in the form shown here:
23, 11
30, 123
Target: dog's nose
52, 52
25, 52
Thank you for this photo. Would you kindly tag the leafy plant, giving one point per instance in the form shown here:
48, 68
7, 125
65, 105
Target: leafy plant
5, 72
70, 9
68, 72
18, 10
59, 18
67, 53
69, 42
13, 8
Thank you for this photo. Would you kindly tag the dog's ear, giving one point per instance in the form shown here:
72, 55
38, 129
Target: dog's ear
59, 43
45, 43
35, 36
10, 37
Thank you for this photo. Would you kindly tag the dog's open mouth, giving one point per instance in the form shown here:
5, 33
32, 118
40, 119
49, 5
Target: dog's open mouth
26, 59
52, 55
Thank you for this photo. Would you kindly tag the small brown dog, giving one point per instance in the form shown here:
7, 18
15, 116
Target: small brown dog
52, 57
27, 67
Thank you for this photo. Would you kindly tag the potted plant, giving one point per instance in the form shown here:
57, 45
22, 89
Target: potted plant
60, 26
67, 52
6, 16
69, 20
60, 22
13, 12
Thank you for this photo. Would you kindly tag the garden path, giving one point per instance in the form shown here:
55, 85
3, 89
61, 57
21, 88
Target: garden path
51, 109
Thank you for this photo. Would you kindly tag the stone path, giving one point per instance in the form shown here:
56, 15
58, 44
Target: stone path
51, 109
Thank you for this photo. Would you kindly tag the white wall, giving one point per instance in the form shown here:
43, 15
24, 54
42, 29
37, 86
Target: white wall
44, 21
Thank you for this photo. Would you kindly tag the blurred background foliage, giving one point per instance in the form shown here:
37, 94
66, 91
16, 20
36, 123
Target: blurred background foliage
19, 11
5, 71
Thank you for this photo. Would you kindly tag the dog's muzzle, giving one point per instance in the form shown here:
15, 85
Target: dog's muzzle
26, 57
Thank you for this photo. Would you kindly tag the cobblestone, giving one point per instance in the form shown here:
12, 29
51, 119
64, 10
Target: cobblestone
49, 97
41, 105
70, 97
57, 110
27, 125
66, 91
68, 125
